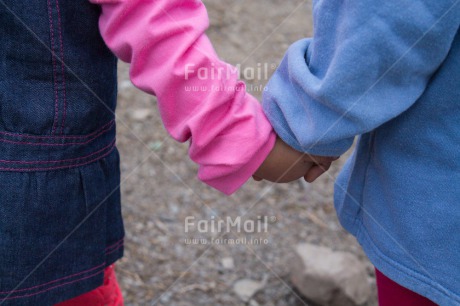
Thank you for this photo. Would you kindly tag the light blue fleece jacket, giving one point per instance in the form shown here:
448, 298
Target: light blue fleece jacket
388, 71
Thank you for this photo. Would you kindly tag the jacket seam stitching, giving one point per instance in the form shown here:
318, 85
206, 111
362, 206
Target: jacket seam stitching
53, 281
59, 167
53, 56
62, 67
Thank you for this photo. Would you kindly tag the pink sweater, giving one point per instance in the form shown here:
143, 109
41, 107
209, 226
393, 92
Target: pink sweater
165, 42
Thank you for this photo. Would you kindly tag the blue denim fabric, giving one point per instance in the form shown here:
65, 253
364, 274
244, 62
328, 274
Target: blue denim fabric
60, 214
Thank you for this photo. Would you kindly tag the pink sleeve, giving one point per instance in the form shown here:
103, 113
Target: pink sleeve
170, 54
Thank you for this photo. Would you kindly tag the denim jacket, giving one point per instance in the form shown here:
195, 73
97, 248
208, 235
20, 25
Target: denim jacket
60, 220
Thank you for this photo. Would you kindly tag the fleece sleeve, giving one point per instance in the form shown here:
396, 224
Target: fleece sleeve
200, 97
367, 63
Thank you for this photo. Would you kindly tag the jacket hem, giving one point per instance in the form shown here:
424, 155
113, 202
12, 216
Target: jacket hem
48, 293
403, 275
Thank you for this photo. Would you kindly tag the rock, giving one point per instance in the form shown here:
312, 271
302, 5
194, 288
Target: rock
228, 263
140, 114
156, 145
253, 303
246, 288
166, 297
329, 278
125, 84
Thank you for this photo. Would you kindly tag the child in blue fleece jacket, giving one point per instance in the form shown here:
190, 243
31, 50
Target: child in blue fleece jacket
388, 72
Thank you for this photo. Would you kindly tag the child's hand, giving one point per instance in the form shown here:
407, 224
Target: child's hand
284, 164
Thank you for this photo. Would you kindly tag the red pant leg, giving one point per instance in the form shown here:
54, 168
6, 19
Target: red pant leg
393, 294
109, 294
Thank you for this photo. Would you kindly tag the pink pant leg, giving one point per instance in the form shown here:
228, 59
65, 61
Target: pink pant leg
109, 294
393, 294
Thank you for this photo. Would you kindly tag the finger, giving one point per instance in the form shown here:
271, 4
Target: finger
328, 159
257, 179
326, 166
313, 174
322, 159
316, 171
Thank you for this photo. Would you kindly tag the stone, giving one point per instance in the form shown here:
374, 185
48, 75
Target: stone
125, 84
253, 303
140, 114
329, 278
246, 288
228, 263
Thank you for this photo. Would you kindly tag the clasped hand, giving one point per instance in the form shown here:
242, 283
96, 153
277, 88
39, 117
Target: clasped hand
284, 164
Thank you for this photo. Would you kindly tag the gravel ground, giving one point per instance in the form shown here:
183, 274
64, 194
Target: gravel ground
160, 188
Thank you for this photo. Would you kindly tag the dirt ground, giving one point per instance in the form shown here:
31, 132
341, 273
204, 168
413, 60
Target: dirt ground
160, 188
